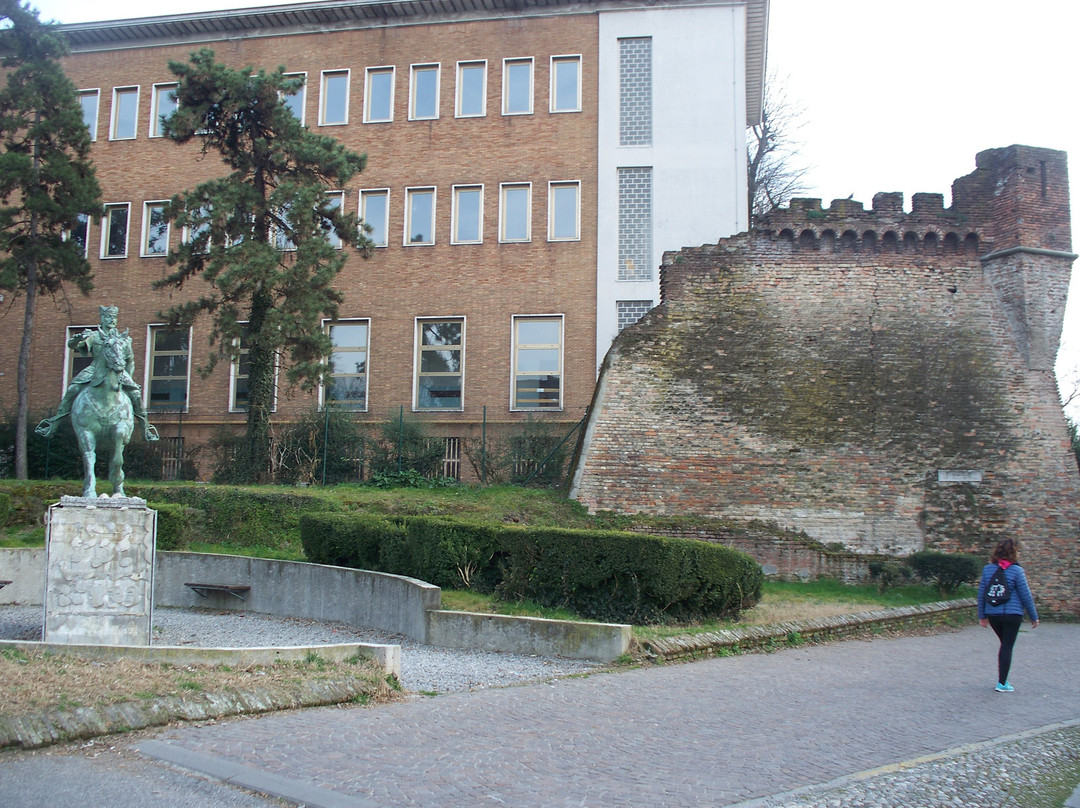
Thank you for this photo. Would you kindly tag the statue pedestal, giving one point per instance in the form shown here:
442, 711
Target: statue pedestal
99, 579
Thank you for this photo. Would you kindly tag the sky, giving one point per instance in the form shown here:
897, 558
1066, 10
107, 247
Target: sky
897, 96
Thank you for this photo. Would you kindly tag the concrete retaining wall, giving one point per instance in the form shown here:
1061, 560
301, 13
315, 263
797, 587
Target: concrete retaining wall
390, 603
604, 642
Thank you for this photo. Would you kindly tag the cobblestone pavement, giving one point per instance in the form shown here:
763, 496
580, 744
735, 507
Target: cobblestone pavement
857, 723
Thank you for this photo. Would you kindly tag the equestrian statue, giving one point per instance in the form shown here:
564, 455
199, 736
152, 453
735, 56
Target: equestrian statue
103, 400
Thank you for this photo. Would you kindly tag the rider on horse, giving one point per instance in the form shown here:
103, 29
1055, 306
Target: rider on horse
89, 342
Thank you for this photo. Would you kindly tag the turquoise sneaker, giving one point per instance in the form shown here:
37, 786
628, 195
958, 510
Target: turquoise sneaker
1004, 688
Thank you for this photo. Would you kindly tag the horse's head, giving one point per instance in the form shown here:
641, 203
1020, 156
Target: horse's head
113, 354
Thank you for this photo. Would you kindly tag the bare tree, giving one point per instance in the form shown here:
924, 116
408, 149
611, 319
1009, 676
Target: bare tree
774, 170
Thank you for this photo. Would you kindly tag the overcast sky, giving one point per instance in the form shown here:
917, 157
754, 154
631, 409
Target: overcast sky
898, 96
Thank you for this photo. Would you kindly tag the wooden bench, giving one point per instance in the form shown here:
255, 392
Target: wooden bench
4, 583
236, 590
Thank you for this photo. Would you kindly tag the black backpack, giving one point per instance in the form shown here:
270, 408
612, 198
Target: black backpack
997, 590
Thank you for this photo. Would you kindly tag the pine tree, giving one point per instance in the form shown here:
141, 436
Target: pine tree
262, 236
47, 181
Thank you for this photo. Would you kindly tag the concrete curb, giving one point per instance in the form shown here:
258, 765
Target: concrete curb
794, 633
55, 726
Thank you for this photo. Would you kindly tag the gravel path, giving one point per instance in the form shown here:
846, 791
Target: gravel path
423, 668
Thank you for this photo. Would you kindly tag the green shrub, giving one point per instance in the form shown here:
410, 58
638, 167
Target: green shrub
177, 525
603, 575
888, 574
348, 540
7, 509
947, 571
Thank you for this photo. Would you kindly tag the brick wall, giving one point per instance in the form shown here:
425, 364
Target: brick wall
876, 378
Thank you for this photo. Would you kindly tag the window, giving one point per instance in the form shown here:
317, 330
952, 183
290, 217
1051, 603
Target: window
155, 238
471, 89
563, 211
517, 86
424, 92
88, 100
334, 201
514, 212
468, 214
348, 365
379, 95
76, 362
79, 232
420, 216
334, 108
125, 113
629, 312
199, 229
374, 210
167, 368
283, 231
114, 230
162, 106
537, 363
635, 224
565, 83
296, 101
635, 91
239, 389
440, 348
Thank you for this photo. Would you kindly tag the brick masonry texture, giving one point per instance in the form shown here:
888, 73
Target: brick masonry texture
875, 378
398, 283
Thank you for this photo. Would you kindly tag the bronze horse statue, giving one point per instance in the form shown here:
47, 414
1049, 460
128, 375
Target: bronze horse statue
102, 415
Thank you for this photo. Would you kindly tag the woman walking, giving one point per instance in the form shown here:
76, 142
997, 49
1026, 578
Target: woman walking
1003, 615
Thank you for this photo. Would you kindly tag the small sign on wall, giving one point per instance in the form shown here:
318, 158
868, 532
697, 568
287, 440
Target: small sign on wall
959, 476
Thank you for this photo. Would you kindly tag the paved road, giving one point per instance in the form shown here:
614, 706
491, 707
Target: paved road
712, 733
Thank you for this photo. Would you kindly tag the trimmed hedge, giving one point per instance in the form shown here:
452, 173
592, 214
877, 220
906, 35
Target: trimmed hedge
602, 575
176, 524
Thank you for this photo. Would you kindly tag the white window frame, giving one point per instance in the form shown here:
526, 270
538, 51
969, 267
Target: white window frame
409, 194
148, 365
185, 236
114, 113
144, 240
85, 219
368, 73
327, 74
302, 95
503, 189
454, 215
366, 321
106, 220
70, 354
414, 71
507, 64
417, 363
94, 92
514, 347
553, 87
461, 67
331, 235
155, 106
234, 374
379, 239
552, 187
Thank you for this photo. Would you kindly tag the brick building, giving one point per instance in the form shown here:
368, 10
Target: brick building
878, 379
529, 162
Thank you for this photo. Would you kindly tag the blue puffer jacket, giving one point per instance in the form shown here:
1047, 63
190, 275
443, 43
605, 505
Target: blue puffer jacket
1018, 603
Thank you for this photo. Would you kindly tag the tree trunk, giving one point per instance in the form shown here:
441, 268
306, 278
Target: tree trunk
23, 372
260, 391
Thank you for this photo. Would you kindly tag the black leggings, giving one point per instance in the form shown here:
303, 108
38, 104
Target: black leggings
1006, 626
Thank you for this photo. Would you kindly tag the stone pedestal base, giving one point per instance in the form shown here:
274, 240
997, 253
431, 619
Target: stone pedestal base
99, 579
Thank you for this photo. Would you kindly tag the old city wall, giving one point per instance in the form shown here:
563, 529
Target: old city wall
875, 378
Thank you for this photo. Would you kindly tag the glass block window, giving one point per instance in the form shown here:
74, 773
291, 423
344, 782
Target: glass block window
635, 224
630, 311
635, 91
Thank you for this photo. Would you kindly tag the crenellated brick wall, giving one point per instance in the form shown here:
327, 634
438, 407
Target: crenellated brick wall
876, 378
